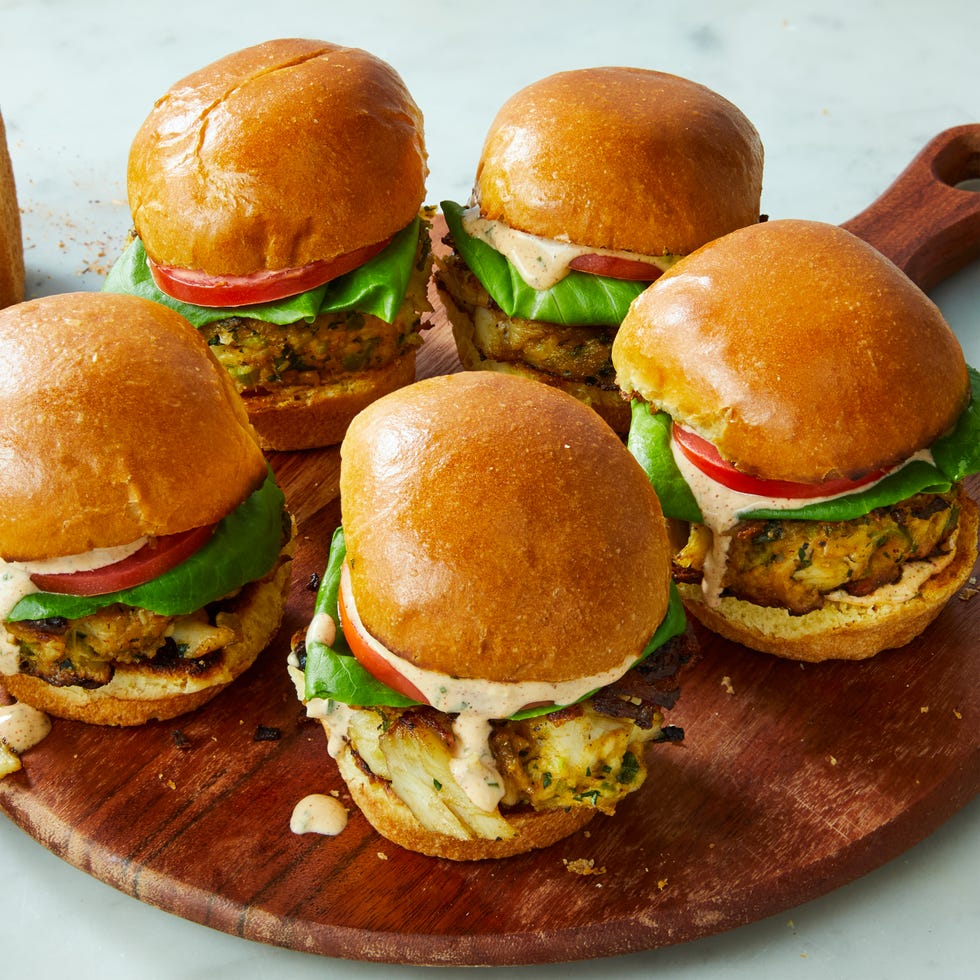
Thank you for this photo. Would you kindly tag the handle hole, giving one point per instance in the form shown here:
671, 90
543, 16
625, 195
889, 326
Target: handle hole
958, 162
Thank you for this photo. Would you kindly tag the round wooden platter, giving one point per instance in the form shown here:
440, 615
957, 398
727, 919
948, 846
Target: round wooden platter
792, 780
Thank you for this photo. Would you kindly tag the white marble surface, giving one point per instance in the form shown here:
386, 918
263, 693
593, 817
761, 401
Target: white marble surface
843, 93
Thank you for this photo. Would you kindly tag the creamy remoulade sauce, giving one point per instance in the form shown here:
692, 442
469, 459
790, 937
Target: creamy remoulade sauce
15, 576
322, 629
318, 814
22, 727
15, 583
474, 701
542, 262
722, 508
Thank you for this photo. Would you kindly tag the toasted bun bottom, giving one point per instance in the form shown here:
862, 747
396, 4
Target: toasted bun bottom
391, 818
138, 694
304, 417
608, 404
841, 631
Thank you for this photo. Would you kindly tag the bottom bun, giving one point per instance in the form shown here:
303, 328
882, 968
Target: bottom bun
139, 693
841, 630
393, 820
308, 416
608, 403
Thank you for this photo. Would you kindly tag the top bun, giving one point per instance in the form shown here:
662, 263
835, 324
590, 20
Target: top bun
621, 158
798, 350
115, 422
276, 156
497, 529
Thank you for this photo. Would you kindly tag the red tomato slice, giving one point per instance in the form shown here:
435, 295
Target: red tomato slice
707, 459
152, 560
615, 267
366, 648
201, 289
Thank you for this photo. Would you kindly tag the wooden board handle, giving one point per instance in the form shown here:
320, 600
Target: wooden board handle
924, 223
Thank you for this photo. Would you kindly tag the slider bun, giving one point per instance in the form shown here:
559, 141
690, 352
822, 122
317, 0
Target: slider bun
841, 631
393, 819
115, 422
276, 156
307, 416
798, 350
498, 529
621, 158
138, 693
11, 243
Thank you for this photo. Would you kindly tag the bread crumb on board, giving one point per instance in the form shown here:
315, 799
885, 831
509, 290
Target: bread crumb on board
9, 760
583, 866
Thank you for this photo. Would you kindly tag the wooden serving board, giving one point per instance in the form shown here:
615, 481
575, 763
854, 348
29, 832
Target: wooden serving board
792, 780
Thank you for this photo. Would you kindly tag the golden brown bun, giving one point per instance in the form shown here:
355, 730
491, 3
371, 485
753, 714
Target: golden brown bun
798, 350
841, 631
116, 422
11, 243
510, 509
281, 154
608, 404
138, 693
621, 158
392, 818
304, 416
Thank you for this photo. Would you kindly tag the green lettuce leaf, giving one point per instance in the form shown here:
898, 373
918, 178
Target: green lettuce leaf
376, 288
580, 299
649, 441
332, 672
956, 455
915, 477
244, 546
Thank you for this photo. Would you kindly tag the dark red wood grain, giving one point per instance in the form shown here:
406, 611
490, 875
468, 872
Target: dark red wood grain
793, 780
